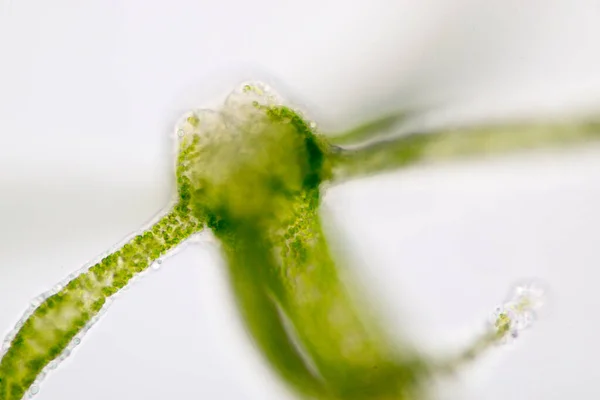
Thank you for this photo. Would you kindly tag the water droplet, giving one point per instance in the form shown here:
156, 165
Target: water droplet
180, 133
77, 341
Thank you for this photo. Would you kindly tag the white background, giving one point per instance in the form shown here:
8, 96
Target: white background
89, 92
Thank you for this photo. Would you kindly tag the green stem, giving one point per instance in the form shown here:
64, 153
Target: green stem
52, 327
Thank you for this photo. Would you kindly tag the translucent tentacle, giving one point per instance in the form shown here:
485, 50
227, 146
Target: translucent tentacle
507, 323
367, 131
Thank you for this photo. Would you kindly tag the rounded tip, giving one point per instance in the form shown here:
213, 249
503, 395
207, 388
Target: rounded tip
520, 311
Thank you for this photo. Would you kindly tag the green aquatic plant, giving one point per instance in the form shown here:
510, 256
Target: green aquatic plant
253, 172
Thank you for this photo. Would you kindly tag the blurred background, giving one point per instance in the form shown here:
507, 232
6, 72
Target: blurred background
89, 94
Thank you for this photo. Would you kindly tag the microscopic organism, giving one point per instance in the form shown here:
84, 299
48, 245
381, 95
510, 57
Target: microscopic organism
254, 173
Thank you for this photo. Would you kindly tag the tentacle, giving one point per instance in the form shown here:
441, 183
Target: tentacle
55, 325
506, 324
257, 289
47, 332
453, 144
370, 130
344, 346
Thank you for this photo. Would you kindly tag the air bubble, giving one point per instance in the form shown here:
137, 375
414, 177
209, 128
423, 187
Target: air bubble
34, 390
